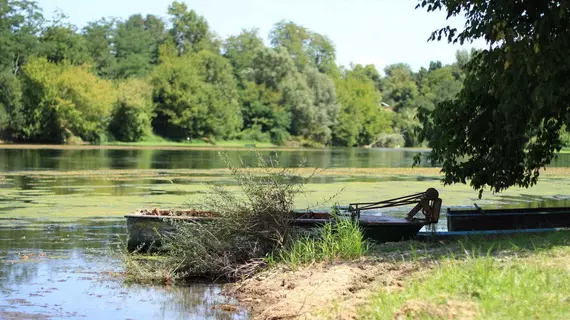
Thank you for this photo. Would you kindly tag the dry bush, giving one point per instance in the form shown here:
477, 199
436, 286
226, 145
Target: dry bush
250, 224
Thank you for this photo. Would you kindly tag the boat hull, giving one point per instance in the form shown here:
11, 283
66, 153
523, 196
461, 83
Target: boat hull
376, 228
508, 219
144, 232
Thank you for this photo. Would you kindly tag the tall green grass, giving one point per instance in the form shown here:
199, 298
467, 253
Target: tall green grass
341, 239
528, 280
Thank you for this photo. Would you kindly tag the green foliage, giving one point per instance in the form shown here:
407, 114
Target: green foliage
439, 85
61, 101
291, 92
283, 96
99, 42
61, 42
407, 125
136, 45
361, 118
241, 49
565, 136
132, 111
504, 125
190, 31
326, 107
369, 72
399, 86
390, 140
293, 38
10, 102
308, 48
341, 239
20, 22
195, 96
261, 110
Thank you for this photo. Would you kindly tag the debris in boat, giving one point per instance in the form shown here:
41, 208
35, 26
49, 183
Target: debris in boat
179, 213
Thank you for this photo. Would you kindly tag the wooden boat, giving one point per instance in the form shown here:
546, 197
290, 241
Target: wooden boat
145, 228
507, 219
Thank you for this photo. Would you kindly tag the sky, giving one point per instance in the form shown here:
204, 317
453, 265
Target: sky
379, 32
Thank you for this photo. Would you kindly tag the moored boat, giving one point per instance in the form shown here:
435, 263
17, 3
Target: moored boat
146, 228
507, 219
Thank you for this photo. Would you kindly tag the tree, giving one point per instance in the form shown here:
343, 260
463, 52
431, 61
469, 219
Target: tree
263, 115
10, 102
60, 41
369, 72
309, 98
61, 101
322, 53
462, 57
20, 22
325, 104
98, 37
361, 118
292, 37
195, 96
437, 86
136, 45
190, 31
276, 80
240, 50
399, 87
132, 111
434, 65
504, 126
307, 48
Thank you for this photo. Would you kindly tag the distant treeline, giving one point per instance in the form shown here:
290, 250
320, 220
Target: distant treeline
126, 80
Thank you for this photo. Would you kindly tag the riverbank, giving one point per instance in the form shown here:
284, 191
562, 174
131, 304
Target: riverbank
515, 277
150, 146
193, 145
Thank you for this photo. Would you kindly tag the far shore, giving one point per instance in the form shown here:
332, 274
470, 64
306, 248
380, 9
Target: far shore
143, 147
224, 145
175, 146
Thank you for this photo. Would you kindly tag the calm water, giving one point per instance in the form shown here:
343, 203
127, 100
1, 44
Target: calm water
15, 160
56, 266
64, 271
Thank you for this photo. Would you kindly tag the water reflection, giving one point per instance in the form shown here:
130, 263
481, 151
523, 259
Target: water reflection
46, 159
63, 272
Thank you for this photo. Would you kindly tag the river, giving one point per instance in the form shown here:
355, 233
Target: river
61, 223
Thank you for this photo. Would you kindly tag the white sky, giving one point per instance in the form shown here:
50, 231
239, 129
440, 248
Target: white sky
378, 32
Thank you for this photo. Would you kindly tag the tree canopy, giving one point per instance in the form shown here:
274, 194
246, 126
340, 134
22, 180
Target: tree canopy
505, 123
128, 79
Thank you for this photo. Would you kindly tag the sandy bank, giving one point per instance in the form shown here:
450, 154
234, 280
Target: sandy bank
319, 291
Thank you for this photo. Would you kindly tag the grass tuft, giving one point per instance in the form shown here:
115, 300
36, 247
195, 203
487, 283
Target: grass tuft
341, 239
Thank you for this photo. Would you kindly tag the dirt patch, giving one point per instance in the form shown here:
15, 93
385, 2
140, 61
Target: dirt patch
322, 290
